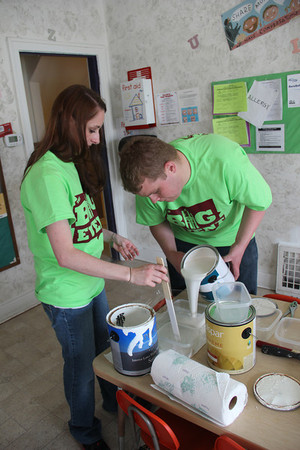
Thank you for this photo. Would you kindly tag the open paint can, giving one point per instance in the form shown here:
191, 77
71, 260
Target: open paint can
230, 346
133, 338
207, 259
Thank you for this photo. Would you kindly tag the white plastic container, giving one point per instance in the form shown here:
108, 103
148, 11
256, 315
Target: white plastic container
266, 325
287, 333
184, 316
191, 339
192, 329
232, 301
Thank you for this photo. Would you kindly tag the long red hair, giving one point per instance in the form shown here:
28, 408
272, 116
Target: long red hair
65, 136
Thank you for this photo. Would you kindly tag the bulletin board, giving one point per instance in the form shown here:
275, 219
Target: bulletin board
9, 255
290, 116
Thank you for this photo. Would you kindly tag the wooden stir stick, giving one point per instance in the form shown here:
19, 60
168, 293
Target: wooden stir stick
169, 303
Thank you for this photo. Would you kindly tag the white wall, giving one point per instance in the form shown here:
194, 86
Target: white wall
156, 33
143, 33
71, 27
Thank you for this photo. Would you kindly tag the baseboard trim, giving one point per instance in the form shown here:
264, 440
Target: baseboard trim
16, 306
266, 280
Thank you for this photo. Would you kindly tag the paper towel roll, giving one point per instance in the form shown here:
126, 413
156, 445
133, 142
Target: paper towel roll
211, 394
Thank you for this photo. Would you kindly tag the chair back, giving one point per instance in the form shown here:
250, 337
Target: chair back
155, 432
226, 443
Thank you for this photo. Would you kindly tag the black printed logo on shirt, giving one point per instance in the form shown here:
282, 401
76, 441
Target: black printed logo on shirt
200, 217
87, 225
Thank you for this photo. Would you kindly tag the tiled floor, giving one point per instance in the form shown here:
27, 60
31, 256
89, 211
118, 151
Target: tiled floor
33, 410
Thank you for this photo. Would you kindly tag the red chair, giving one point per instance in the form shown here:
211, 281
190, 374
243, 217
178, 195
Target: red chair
226, 443
163, 430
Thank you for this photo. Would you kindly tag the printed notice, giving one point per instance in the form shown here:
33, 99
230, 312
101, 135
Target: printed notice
260, 100
275, 112
189, 105
293, 88
229, 98
270, 138
233, 128
167, 108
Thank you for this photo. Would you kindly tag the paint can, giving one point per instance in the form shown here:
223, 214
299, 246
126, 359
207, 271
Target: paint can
133, 338
230, 346
219, 272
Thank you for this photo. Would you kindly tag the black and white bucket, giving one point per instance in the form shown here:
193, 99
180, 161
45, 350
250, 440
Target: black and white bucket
218, 271
133, 338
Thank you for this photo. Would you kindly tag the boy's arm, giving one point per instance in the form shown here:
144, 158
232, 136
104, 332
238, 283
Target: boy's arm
163, 234
249, 223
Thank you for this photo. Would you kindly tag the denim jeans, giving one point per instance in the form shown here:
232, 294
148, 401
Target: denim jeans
83, 334
248, 267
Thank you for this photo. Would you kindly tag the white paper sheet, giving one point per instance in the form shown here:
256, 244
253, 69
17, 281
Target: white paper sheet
275, 112
293, 88
167, 108
270, 138
260, 99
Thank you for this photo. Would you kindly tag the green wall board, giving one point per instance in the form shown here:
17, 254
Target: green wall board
290, 116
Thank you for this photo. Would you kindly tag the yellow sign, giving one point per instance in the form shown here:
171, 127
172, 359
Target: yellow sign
233, 128
3, 211
229, 98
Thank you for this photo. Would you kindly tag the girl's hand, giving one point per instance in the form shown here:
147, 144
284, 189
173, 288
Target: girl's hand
124, 246
148, 275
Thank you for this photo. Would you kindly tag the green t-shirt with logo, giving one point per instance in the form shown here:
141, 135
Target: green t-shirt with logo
210, 207
51, 191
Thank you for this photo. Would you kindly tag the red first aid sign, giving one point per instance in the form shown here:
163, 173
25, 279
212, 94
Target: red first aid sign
5, 128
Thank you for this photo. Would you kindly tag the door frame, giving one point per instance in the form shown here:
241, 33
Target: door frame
17, 46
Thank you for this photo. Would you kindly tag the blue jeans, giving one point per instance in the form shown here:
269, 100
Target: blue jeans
83, 334
248, 267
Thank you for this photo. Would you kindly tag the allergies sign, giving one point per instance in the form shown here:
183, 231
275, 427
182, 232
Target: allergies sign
253, 18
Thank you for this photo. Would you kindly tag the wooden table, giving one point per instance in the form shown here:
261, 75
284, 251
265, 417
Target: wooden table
257, 426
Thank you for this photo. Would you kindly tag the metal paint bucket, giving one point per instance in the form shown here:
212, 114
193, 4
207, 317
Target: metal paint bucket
133, 338
230, 346
218, 273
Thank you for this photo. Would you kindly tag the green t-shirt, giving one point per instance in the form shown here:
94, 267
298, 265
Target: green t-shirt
51, 191
210, 207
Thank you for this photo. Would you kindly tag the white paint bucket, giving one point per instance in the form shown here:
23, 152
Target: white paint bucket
218, 271
133, 338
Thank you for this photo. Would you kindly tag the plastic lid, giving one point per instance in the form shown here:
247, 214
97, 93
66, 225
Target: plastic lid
277, 391
264, 306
